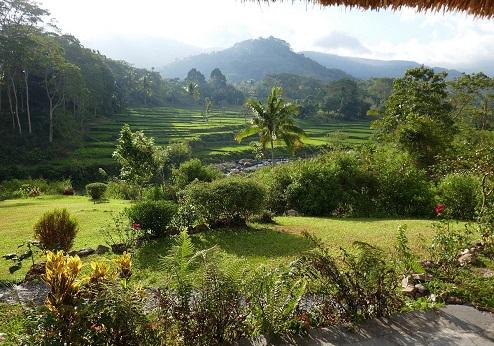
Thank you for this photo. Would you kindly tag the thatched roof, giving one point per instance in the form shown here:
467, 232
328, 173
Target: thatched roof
478, 8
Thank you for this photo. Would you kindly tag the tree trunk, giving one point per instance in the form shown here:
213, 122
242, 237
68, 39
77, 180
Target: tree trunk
272, 151
28, 109
16, 106
50, 130
10, 105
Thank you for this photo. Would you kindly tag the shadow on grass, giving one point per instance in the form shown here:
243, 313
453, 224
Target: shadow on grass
15, 205
242, 242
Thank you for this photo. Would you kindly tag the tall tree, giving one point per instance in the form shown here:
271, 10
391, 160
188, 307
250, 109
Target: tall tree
417, 115
274, 123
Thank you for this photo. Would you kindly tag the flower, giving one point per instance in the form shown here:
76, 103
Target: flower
439, 209
136, 226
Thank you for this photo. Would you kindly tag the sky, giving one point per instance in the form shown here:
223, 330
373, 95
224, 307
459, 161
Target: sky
451, 40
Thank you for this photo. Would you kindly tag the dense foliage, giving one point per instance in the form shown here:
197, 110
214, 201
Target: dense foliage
153, 216
56, 230
96, 190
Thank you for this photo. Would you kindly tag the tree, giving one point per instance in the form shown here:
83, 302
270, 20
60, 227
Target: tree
472, 97
274, 123
192, 90
136, 154
417, 115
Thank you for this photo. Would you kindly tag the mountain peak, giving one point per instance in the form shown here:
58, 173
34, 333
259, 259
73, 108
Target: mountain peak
254, 59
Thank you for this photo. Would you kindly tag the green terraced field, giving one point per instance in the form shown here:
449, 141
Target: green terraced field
211, 141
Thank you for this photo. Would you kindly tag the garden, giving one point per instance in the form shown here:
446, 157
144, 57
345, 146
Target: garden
171, 251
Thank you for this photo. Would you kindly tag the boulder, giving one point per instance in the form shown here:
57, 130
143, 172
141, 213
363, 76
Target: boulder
423, 277
409, 291
119, 248
421, 290
407, 281
85, 252
466, 259
35, 271
454, 300
292, 212
101, 249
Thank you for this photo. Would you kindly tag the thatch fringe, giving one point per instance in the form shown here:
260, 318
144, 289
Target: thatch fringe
478, 8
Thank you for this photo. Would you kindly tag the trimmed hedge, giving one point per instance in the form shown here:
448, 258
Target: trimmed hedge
154, 216
223, 202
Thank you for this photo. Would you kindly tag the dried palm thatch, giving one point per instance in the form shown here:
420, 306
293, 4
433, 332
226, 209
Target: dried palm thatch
478, 8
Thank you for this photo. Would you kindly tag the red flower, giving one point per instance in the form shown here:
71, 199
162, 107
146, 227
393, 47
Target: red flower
439, 209
136, 226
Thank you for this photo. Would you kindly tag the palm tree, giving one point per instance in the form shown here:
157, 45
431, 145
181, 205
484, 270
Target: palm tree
274, 123
192, 89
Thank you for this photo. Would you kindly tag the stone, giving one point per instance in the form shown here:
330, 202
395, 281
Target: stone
35, 271
85, 252
292, 212
422, 277
427, 264
409, 291
420, 289
466, 259
454, 300
464, 252
407, 281
119, 248
101, 249
68, 191
3, 337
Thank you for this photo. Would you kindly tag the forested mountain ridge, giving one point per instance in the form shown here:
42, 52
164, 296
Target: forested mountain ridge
253, 59
370, 68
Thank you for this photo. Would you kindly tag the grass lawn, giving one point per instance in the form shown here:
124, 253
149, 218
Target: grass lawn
248, 248
18, 216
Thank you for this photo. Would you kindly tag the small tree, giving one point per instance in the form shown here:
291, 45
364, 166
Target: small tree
136, 154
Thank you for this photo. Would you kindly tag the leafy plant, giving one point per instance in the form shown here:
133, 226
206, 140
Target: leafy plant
154, 216
56, 230
96, 190
17, 259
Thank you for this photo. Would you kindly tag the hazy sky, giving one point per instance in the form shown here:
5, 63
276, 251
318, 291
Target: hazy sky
448, 40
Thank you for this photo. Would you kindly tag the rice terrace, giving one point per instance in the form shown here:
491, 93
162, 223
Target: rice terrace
246, 172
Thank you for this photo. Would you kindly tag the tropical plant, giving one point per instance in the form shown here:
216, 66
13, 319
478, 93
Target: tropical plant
274, 123
56, 230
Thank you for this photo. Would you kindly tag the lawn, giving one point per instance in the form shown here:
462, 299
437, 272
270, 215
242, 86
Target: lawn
248, 248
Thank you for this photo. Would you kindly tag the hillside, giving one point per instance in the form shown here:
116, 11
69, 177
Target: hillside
253, 59
369, 68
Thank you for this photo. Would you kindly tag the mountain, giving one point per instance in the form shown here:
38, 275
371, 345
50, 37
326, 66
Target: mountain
144, 52
368, 68
253, 59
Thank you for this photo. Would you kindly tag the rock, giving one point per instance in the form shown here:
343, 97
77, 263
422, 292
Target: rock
101, 249
427, 264
464, 252
35, 271
454, 300
68, 191
407, 281
85, 252
3, 336
466, 259
292, 212
422, 277
119, 248
409, 291
421, 290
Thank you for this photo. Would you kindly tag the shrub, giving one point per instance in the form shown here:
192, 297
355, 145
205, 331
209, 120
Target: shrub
56, 230
193, 170
223, 202
362, 284
154, 216
460, 193
119, 189
96, 190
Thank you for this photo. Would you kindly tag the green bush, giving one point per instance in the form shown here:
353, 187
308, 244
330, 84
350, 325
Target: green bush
154, 216
119, 189
223, 202
192, 170
56, 230
460, 193
96, 190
